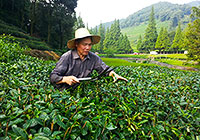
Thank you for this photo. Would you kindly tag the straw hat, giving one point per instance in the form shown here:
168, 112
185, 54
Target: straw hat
82, 33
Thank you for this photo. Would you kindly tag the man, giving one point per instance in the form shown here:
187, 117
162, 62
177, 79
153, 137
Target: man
79, 62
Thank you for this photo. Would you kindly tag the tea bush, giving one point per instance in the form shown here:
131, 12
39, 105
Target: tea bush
9, 49
156, 103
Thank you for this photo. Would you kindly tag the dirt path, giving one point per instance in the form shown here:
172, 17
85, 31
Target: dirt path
162, 64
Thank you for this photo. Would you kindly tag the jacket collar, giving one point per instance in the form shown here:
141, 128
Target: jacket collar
76, 56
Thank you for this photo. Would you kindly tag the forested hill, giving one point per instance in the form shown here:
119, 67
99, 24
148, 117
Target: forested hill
164, 11
39, 24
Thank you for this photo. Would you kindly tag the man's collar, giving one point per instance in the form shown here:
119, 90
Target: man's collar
76, 56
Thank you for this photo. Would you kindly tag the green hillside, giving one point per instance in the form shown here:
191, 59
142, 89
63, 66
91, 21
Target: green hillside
134, 32
167, 15
164, 11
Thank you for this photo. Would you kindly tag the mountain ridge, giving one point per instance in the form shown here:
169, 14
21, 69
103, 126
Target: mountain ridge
167, 15
163, 11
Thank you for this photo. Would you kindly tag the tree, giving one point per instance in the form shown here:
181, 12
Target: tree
160, 40
64, 21
163, 40
139, 44
124, 45
150, 35
79, 23
107, 44
192, 37
50, 20
127, 46
195, 12
115, 41
111, 42
32, 16
101, 32
55, 21
178, 40
95, 48
166, 40
15, 12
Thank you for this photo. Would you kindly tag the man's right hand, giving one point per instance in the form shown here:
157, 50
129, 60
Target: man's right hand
70, 80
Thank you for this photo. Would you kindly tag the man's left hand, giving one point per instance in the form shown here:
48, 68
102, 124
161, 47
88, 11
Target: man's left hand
117, 77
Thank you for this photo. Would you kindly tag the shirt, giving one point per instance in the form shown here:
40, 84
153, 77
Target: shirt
70, 64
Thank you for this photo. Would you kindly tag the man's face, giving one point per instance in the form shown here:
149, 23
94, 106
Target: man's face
84, 46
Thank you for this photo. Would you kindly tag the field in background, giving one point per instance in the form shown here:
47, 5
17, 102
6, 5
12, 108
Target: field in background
134, 32
170, 56
172, 59
120, 62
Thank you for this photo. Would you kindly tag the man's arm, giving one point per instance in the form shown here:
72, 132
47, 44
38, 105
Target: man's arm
60, 70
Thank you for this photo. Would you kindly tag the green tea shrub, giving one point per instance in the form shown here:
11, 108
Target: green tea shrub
33, 44
9, 49
156, 103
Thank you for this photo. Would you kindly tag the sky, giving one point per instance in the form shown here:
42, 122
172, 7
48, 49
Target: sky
94, 12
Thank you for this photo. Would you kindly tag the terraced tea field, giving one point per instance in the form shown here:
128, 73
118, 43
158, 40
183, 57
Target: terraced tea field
157, 103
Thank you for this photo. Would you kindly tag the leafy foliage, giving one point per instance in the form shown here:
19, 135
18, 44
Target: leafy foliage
156, 103
151, 35
115, 41
101, 32
52, 21
192, 38
22, 37
10, 50
79, 23
178, 40
163, 41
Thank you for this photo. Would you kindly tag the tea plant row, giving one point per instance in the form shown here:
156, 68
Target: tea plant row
156, 103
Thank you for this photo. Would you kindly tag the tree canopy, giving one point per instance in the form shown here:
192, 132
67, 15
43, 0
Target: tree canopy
150, 35
177, 44
192, 37
115, 41
51, 21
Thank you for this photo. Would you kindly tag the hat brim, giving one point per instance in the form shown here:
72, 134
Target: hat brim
71, 43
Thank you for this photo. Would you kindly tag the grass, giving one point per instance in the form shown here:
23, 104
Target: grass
171, 56
132, 56
115, 62
172, 59
126, 55
159, 56
172, 62
183, 63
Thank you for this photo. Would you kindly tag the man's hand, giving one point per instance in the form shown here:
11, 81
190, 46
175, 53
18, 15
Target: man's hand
70, 80
117, 77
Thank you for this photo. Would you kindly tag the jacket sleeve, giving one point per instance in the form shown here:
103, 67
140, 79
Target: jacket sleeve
100, 65
60, 69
